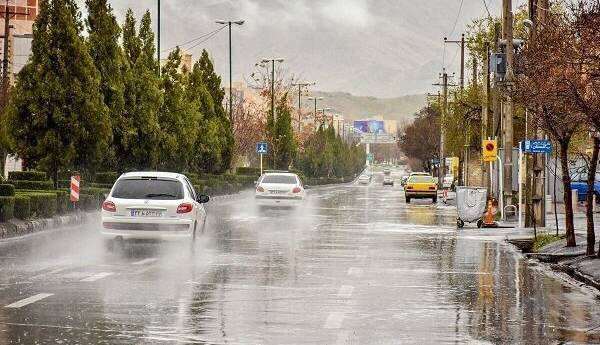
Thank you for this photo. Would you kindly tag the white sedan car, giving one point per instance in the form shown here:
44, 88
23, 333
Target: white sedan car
152, 205
279, 189
364, 179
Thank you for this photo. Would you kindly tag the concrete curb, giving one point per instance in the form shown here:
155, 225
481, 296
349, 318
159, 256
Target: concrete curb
17, 228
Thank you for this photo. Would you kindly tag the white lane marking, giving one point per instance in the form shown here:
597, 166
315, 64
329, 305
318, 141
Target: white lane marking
144, 270
145, 261
50, 273
97, 276
355, 271
345, 291
334, 320
29, 300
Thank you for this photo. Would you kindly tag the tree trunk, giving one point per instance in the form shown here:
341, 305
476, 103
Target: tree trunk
566, 180
589, 211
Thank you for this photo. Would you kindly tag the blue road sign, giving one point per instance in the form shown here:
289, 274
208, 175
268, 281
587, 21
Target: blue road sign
262, 148
536, 146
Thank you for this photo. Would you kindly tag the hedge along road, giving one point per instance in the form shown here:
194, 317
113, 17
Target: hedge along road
356, 265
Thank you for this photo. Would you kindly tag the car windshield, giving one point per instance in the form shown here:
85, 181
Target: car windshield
421, 179
279, 179
148, 188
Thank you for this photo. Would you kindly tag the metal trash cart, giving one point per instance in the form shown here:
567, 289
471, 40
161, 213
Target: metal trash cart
470, 205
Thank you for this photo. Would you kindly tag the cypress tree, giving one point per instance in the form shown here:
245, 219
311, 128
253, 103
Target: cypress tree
207, 144
57, 119
213, 85
178, 117
143, 97
103, 44
282, 135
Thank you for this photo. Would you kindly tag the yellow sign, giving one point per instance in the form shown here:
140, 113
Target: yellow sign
489, 150
455, 163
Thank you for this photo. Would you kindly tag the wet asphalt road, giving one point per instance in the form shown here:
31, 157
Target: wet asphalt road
355, 266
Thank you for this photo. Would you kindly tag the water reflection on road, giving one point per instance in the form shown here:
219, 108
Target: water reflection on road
355, 265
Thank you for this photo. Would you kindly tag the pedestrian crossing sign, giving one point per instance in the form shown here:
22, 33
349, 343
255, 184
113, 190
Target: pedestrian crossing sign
262, 148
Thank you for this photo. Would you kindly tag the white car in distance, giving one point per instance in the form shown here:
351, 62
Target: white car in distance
279, 189
364, 179
152, 206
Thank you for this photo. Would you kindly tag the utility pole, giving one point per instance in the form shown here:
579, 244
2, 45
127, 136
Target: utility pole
158, 34
315, 99
536, 165
272, 61
485, 104
229, 23
461, 44
6, 70
300, 86
442, 170
507, 114
6, 52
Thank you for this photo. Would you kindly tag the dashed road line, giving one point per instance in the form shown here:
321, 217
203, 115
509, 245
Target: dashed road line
97, 276
334, 320
29, 300
145, 261
345, 291
355, 271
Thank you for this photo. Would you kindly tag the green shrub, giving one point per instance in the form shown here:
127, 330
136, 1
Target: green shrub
7, 206
89, 202
32, 185
30, 175
99, 185
22, 207
251, 171
7, 190
42, 204
63, 201
64, 183
99, 192
107, 177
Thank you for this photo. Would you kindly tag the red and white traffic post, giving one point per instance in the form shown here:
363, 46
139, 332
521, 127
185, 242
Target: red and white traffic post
75, 181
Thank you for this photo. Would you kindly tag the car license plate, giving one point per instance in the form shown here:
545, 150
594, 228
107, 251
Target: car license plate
276, 191
146, 213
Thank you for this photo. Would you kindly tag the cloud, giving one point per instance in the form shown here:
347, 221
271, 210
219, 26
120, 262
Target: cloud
347, 12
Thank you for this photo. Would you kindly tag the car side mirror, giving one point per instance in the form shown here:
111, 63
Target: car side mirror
203, 199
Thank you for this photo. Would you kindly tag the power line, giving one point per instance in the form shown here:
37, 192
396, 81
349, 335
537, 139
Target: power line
487, 9
207, 38
194, 40
457, 16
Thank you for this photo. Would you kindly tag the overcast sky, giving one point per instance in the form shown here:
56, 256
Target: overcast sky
380, 48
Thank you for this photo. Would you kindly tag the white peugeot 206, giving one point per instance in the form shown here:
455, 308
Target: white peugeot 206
152, 206
279, 189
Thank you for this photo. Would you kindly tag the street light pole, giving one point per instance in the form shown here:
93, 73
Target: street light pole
300, 85
272, 61
315, 99
228, 23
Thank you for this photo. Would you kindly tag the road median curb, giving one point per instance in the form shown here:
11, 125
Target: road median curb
17, 228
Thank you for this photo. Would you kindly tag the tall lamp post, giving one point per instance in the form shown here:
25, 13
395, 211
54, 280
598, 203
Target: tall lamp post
325, 122
228, 23
300, 85
272, 61
315, 99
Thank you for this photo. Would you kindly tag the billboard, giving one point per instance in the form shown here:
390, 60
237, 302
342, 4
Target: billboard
370, 126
